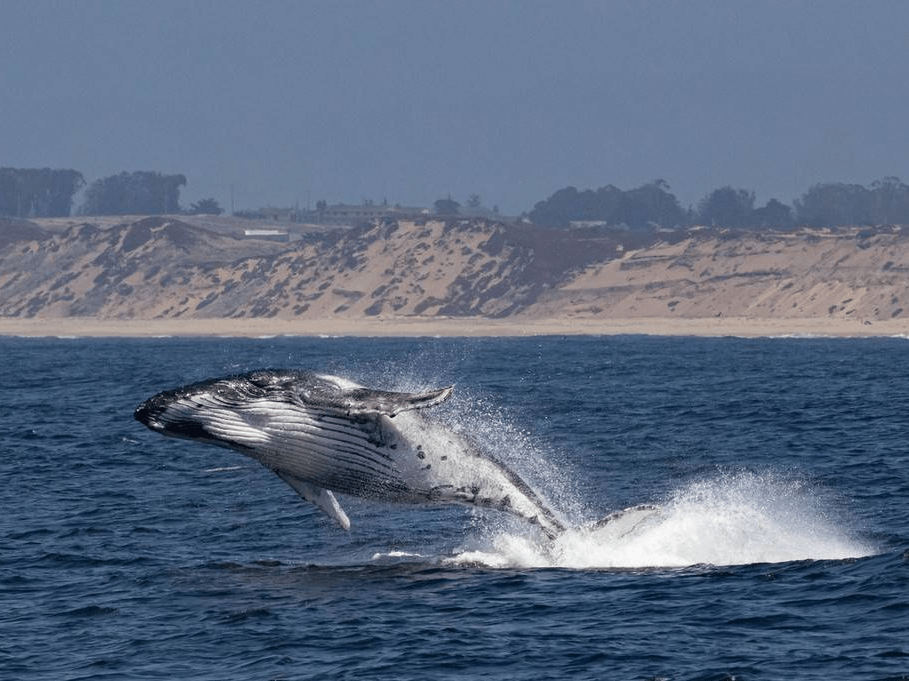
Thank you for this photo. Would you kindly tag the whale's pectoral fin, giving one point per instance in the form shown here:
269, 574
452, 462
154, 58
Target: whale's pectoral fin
322, 498
367, 401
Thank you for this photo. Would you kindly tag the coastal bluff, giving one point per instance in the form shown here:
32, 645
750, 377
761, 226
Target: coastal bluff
163, 268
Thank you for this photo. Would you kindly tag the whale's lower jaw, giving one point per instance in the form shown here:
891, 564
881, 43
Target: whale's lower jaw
325, 434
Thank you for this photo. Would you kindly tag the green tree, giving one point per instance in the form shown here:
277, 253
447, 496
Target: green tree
206, 207
775, 215
137, 193
650, 204
38, 192
727, 207
889, 201
638, 208
570, 205
446, 206
834, 205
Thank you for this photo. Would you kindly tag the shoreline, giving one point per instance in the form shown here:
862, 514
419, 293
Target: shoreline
447, 327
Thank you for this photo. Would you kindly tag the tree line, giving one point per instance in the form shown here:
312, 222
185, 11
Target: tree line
886, 201
45, 193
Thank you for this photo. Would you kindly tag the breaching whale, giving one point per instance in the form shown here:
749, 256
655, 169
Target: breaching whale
324, 434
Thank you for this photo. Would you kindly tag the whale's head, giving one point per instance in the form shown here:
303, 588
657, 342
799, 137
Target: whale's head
189, 412
230, 411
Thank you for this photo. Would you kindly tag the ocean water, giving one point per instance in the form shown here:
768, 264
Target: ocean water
779, 550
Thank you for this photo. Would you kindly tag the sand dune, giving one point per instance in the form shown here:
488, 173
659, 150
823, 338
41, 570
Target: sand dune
160, 276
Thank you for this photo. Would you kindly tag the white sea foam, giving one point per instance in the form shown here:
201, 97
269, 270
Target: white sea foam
391, 555
730, 520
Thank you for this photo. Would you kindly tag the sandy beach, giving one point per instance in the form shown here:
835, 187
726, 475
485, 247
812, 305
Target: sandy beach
448, 327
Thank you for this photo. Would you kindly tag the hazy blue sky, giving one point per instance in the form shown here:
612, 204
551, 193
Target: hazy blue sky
411, 101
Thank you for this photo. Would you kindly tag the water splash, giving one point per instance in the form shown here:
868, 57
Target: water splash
730, 520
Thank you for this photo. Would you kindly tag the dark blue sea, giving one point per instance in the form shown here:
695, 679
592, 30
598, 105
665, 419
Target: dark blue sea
781, 550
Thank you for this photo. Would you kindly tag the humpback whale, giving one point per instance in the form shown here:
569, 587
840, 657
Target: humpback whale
325, 434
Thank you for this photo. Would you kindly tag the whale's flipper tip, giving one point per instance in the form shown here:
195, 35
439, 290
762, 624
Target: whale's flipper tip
430, 398
365, 400
322, 498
